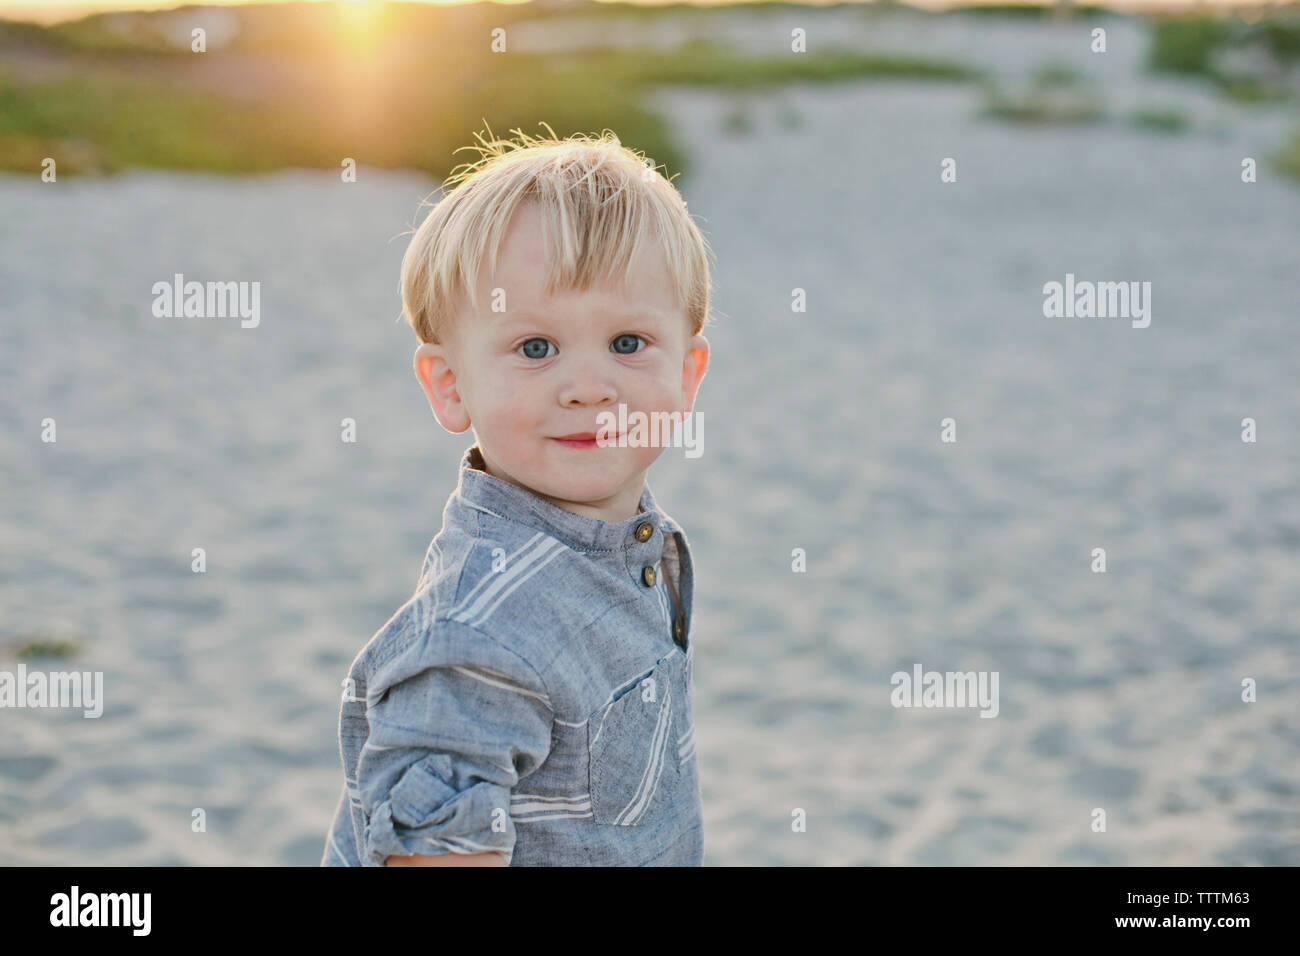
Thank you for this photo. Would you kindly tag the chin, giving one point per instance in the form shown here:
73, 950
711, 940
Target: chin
586, 493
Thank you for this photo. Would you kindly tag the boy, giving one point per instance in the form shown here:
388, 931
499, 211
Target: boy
531, 703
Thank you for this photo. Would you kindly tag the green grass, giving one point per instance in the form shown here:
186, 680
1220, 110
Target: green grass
114, 121
1193, 46
1242, 88
1160, 120
1027, 11
1287, 160
1280, 37
292, 90
1055, 76
702, 63
35, 648
1186, 45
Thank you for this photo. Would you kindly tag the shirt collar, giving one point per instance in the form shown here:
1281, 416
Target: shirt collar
477, 489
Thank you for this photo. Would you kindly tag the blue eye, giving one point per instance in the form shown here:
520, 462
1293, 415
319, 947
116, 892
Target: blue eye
531, 353
626, 339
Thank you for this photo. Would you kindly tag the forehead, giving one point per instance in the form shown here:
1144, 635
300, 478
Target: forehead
524, 264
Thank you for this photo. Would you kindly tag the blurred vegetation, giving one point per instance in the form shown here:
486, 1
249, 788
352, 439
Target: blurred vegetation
1160, 120
1248, 62
1287, 159
406, 85
1054, 94
1185, 45
1055, 76
703, 63
38, 647
1039, 11
310, 84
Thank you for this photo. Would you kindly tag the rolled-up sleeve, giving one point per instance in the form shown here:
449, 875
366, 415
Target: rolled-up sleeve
456, 719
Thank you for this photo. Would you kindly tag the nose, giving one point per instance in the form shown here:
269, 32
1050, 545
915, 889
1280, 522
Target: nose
589, 381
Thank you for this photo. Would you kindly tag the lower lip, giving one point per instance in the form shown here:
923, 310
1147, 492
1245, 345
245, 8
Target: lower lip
591, 443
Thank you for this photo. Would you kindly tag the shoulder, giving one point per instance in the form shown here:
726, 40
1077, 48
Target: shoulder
420, 643
465, 612
527, 589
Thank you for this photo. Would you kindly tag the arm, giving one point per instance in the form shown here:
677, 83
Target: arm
449, 859
454, 721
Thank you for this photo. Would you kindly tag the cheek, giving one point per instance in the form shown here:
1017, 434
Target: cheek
516, 410
668, 385
661, 378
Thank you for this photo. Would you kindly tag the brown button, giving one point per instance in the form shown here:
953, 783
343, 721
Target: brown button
644, 530
648, 575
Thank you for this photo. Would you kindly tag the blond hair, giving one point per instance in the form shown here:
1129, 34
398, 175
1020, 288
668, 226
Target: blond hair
598, 199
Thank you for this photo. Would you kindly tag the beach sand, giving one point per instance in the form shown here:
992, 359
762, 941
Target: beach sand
1119, 691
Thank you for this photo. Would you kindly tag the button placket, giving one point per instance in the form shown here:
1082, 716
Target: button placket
643, 553
650, 577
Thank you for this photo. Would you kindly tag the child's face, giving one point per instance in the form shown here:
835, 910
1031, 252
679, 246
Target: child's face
586, 353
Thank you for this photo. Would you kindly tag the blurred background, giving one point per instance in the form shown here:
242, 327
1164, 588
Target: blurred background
816, 170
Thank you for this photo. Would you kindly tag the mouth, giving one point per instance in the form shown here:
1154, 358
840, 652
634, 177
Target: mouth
584, 439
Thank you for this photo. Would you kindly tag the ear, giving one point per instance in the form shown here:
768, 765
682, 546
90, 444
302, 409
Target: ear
694, 366
434, 373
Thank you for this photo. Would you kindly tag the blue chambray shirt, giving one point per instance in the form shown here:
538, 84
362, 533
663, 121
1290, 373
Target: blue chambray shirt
531, 697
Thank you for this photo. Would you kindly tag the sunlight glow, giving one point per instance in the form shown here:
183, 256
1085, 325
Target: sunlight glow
53, 11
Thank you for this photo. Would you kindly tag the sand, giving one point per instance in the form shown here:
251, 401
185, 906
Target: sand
1119, 691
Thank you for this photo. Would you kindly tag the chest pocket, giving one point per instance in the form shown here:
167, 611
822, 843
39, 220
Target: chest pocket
632, 748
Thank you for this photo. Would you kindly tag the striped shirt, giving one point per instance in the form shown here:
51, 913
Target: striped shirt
533, 697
